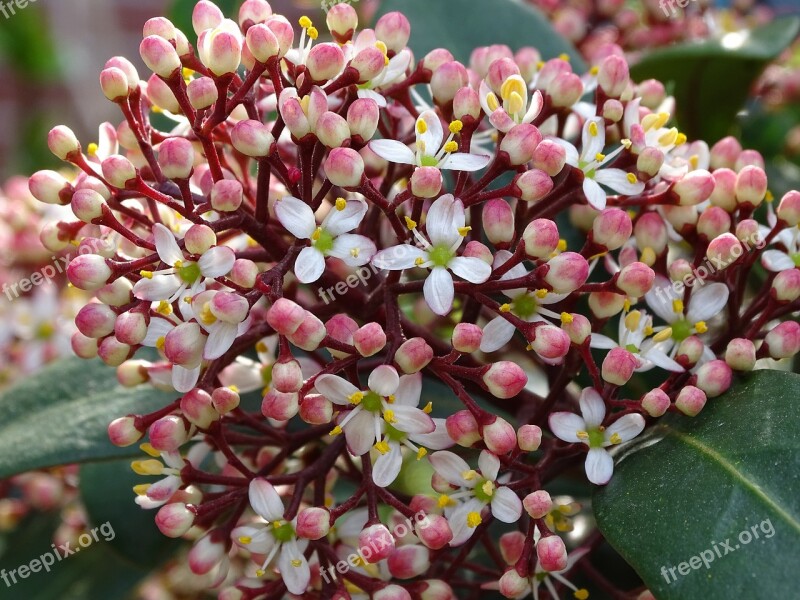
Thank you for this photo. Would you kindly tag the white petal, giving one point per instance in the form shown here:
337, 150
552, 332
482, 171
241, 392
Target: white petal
572, 155
566, 425
310, 265
265, 500
506, 505
383, 380
387, 466
462, 161
497, 333
399, 257
595, 195
458, 521
599, 466
775, 261
707, 302
244, 373
660, 298
338, 222
489, 465
297, 577
617, 180
439, 439
393, 151
439, 291
166, 246
335, 389
445, 217
183, 379
501, 121
434, 135
450, 466
373, 95
408, 390
591, 145
158, 328
593, 409
296, 216
160, 287
535, 107
354, 250
627, 427
220, 338
602, 342
360, 433
217, 261
412, 420
660, 359
471, 268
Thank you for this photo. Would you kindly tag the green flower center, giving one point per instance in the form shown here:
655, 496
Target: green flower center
440, 256
796, 259
525, 306
266, 375
596, 438
394, 434
632, 348
428, 161
284, 533
681, 330
484, 490
189, 272
323, 241
372, 402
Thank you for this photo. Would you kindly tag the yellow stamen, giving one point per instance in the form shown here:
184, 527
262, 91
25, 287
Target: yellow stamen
626, 143
381, 46
488, 488
463, 231
594, 70
504, 308
492, 102
681, 139
516, 104
582, 435
663, 335
164, 308
260, 572
562, 245
428, 408
245, 539
450, 147
418, 261
564, 56
296, 562
312, 33
677, 306
648, 256
160, 342
421, 453
305, 102
593, 129
668, 138
147, 467
456, 126
616, 439
566, 318
473, 520
541, 293
146, 274
91, 149
701, 327
356, 398
261, 347
581, 594
626, 305
411, 223
304, 22
354, 252
444, 500
388, 416
390, 398
382, 447
341, 204
631, 178
141, 489
147, 448
469, 475
769, 197
694, 160
336, 430
317, 233
422, 126
632, 320
599, 157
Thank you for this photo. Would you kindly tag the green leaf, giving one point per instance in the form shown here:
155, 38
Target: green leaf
691, 486
106, 491
460, 26
61, 415
712, 78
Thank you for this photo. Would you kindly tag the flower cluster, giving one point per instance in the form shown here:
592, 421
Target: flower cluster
536, 238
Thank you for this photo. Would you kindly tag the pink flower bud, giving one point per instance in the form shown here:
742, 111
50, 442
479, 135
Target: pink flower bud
533, 185
741, 354
434, 531
655, 402
690, 401
636, 279
168, 433
462, 428
130, 328
160, 94
511, 546
612, 228
447, 80
568, 271
262, 43
122, 432
724, 250
613, 76
375, 543
254, 12
252, 138
713, 222
538, 504
505, 379
786, 286
435, 59
426, 182
369, 339
618, 366
126, 66
342, 20
95, 320
577, 327
784, 340
651, 232
229, 307
466, 104
541, 238
476, 249
694, 187
551, 343
332, 129
82, 346
316, 409
119, 171
650, 161
529, 437
565, 90
202, 92
176, 157
725, 153
690, 350
362, 117
114, 84
549, 157
467, 337
159, 56
512, 585
520, 143
652, 92
391, 592
87, 205
724, 194
174, 520
413, 355
183, 345
206, 553
614, 111
50, 187
498, 222
227, 195
393, 29
789, 208
197, 406
224, 400
344, 167
499, 436
280, 406
552, 553
285, 316
133, 372
117, 293
714, 378
368, 63
310, 334
287, 376
606, 304
749, 158
62, 142
751, 186
313, 523
88, 272
409, 561
324, 62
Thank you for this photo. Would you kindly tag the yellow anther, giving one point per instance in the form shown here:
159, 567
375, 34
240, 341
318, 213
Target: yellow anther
668, 138
516, 104
663, 335
701, 327
164, 308
599, 157
428, 408
147, 467
261, 347
422, 126
382, 447
505, 308
456, 126
421, 452
566, 318
648, 256
488, 488
681, 139
632, 320
469, 475
260, 572
245, 539
141, 489
388, 416
473, 520
234, 389
626, 143
381, 46
341, 204
147, 448
160, 342
391, 398
582, 435
91, 149
581, 594
354, 252
411, 223
540, 64
463, 231
187, 72
564, 56
615, 439
296, 562
450, 147
419, 261
444, 500
649, 121
542, 293
178, 264
593, 131
312, 33
512, 85
631, 178
769, 197
594, 70
304, 22
146, 274
356, 398
188, 299
694, 160
336, 430
317, 233
562, 245
492, 102
305, 102
626, 305
648, 330
156, 109
677, 306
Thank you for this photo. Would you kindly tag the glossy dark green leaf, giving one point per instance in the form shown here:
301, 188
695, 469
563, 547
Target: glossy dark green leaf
711, 79
724, 486
462, 25
61, 415
106, 492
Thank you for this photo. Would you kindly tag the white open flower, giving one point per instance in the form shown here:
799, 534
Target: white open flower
780, 260
330, 238
446, 229
591, 161
394, 70
432, 150
515, 108
588, 429
477, 489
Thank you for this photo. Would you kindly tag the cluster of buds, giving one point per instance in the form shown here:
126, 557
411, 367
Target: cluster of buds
293, 237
